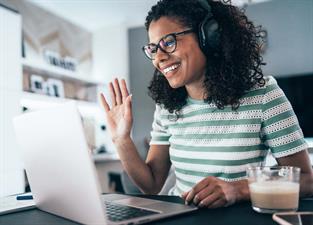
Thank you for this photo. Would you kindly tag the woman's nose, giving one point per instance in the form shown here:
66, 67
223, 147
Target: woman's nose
161, 56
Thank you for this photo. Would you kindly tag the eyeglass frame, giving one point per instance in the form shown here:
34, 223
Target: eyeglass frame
158, 46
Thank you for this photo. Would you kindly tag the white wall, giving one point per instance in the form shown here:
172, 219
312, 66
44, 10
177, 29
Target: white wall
110, 60
290, 35
110, 53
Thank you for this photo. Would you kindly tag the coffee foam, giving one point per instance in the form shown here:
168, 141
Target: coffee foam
274, 187
275, 195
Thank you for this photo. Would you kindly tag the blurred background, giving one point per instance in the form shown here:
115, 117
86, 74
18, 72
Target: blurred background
54, 51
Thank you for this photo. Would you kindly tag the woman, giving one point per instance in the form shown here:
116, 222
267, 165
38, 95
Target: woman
215, 113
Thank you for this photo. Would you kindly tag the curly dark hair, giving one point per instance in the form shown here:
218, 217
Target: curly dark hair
232, 70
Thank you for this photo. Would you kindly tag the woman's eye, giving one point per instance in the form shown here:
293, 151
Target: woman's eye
169, 43
152, 50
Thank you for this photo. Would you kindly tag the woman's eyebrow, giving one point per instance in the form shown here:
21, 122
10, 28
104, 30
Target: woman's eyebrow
161, 38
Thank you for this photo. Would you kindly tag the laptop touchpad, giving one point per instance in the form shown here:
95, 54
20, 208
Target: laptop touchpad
133, 201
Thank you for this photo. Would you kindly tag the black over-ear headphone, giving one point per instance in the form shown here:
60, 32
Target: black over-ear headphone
209, 36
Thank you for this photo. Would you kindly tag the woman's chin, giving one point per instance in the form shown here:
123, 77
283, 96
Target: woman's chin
175, 85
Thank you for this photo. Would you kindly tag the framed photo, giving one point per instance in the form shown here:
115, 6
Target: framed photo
70, 63
56, 88
37, 84
52, 57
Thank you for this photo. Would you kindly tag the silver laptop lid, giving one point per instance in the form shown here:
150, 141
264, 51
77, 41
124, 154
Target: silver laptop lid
60, 170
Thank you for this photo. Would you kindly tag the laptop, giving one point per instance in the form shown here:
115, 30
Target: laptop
10, 204
63, 177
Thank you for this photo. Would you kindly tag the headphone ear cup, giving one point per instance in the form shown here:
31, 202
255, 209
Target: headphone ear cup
209, 36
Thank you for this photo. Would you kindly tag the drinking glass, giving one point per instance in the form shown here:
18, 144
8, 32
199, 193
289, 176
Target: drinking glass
274, 189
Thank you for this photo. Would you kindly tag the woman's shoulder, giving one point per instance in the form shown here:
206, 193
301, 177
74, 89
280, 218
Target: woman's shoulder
270, 81
161, 110
258, 92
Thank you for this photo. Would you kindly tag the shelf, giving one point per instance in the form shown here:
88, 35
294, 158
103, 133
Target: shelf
51, 99
43, 68
38, 101
105, 157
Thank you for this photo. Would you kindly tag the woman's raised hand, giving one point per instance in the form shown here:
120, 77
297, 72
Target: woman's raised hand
119, 115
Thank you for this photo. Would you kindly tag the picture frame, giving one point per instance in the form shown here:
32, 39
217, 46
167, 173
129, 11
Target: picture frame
37, 84
54, 58
51, 57
70, 63
56, 88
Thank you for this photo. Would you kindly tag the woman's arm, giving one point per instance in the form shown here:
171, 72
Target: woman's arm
149, 176
212, 192
301, 160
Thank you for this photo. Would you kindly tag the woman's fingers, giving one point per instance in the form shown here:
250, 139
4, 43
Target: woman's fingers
216, 204
209, 200
184, 195
117, 91
124, 90
112, 94
104, 103
197, 188
190, 196
128, 110
208, 190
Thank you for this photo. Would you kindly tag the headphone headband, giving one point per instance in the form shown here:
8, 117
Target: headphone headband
209, 36
205, 5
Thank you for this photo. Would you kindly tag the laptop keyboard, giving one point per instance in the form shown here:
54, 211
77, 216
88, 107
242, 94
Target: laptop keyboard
117, 212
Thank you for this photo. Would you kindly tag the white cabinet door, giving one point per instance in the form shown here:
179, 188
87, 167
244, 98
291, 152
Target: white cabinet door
11, 168
10, 50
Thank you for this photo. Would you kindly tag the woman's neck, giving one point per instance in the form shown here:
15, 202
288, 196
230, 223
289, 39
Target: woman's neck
196, 90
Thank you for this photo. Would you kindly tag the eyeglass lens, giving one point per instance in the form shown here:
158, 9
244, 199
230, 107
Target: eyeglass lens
166, 44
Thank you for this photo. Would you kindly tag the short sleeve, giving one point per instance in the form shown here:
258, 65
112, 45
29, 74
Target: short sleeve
280, 126
159, 133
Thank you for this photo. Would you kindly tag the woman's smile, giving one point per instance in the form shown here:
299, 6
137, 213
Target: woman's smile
170, 69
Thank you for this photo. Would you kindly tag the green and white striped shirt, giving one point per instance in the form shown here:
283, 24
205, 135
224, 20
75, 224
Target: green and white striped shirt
206, 141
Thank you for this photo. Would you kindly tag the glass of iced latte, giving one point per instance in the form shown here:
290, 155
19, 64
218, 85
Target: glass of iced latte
274, 189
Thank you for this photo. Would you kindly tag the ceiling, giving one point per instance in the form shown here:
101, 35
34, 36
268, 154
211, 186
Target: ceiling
96, 14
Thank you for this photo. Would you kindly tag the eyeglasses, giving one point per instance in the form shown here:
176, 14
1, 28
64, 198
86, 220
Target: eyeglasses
167, 44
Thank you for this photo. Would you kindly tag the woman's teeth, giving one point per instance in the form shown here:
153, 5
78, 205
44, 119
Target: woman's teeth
169, 69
